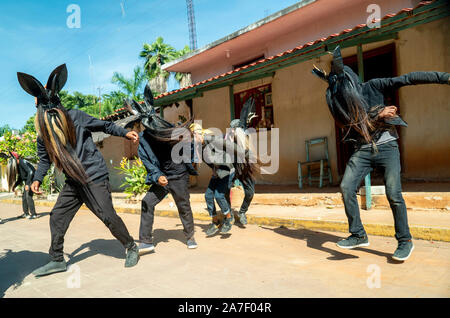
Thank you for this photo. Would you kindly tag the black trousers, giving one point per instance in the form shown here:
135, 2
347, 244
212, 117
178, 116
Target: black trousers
179, 189
97, 197
28, 202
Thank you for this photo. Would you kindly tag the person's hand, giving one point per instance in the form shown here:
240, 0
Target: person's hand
27, 188
388, 111
35, 187
163, 181
132, 135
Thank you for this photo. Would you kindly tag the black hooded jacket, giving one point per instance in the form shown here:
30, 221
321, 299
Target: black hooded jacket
374, 92
88, 154
25, 173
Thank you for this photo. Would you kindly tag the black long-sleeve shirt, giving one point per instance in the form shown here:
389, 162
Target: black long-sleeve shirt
88, 154
26, 173
374, 92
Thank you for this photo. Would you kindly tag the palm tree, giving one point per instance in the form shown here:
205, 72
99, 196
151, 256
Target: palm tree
131, 86
155, 55
183, 79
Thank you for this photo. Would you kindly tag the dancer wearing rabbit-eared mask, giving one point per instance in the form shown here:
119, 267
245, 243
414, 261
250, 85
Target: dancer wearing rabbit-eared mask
360, 108
164, 174
64, 138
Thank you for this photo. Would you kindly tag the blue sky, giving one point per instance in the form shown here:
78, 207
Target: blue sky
35, 39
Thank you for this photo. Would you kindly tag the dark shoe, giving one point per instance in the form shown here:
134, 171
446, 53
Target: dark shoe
132, 256
50, 268
23, 216
212, 229
191, 243
226, 227
403, 251
242, 218
353, 241
145, 248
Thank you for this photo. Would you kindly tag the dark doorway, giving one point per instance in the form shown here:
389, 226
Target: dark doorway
263, 103
380, 62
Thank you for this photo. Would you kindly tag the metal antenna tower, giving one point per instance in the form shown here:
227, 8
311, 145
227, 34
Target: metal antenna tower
191, 25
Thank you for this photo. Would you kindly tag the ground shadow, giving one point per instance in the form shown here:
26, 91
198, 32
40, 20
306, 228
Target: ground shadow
316, 240
17, 218
112, 248
163, 236
15, 266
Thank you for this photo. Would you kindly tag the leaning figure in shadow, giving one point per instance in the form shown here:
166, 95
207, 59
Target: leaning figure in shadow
64, 138
21, 171
360, 108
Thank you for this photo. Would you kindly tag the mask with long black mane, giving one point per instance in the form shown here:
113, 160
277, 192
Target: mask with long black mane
155, 126
345, 98
53, 123
12, 169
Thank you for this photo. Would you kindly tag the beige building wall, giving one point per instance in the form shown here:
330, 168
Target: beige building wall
426, 108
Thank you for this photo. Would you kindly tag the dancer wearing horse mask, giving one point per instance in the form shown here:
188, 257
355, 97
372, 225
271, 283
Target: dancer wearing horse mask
65, 139
360, 109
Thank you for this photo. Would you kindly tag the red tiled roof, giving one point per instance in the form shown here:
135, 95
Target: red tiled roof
359, 26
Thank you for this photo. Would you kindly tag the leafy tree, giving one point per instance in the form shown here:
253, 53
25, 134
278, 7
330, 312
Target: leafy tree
183, 79
132, 87
155, 55
29, 126
4, 129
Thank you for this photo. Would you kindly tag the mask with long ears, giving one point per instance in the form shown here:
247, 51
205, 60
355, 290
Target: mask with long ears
155, 126
53, 123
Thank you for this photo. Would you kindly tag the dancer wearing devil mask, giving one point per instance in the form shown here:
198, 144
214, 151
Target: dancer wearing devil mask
64, 138
164, 174
359, 108
20, 171
238, 134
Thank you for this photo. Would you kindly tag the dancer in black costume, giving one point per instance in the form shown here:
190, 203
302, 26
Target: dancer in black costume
164, 175
360, 108
64, 138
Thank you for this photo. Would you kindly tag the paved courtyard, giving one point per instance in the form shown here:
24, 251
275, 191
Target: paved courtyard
256, 261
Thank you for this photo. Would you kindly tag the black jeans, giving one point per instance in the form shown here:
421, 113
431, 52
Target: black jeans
97, 197
179, 189
28, 202
249, 192
360, 164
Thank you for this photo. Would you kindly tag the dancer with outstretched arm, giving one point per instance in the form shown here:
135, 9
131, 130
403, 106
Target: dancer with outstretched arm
64, 138
360, 108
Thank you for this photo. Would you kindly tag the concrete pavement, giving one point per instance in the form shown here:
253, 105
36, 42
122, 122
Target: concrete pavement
256, 261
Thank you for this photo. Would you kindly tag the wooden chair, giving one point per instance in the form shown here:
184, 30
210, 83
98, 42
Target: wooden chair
323, 162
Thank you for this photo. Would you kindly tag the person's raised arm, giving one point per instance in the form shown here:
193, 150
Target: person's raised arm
94, 124
413, 78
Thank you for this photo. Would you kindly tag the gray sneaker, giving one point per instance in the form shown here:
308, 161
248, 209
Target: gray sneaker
353, 241
145, 248
226, 227
191, 243
403, 251
242, 218
51, 268
132, 257
32, 217
212, 229
23, 216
